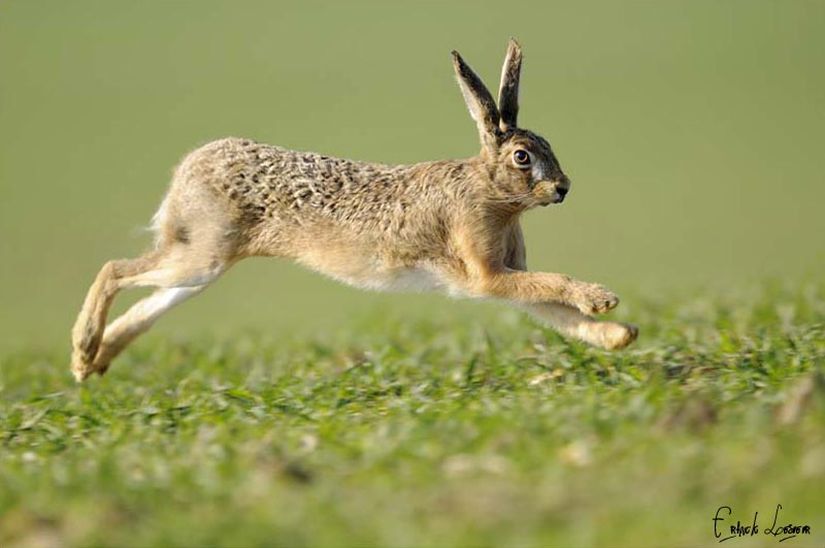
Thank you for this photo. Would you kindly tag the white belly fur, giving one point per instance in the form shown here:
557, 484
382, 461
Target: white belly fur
373, 275
401, 280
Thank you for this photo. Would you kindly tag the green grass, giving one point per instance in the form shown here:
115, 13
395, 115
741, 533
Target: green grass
464, 431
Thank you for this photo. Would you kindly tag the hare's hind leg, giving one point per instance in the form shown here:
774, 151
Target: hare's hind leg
181, 271
88, 328
137, 320
197, 242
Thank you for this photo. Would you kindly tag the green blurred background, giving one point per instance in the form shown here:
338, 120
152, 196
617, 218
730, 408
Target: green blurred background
693, 132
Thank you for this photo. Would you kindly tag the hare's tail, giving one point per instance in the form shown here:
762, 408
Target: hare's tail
159, 220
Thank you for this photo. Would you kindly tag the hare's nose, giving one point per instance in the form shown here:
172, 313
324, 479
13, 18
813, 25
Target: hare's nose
562, 190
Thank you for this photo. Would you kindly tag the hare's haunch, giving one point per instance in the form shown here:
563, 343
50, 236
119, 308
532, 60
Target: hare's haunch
449, 225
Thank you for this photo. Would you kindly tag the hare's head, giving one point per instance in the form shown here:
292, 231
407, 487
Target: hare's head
524, 169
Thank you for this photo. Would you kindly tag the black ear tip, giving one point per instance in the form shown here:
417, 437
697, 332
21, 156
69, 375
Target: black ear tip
458, 61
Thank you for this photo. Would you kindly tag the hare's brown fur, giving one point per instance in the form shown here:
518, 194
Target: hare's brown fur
447, 225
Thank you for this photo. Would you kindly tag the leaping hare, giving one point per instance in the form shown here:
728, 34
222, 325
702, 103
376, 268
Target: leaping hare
450, 225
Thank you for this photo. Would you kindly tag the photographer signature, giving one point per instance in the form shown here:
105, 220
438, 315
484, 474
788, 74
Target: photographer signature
787, 531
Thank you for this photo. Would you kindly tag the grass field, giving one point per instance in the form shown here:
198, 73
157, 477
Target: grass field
464, 431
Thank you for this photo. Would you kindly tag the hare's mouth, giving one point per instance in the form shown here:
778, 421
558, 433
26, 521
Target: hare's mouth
553, 199
549, 192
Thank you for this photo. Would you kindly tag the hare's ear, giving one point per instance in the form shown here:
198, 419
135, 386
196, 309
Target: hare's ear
508, 90
479, 101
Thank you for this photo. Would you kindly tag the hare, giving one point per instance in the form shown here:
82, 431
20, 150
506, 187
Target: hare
450, 226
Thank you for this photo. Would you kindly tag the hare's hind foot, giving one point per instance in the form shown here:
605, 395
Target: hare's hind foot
85, 342
91, 321
82, 368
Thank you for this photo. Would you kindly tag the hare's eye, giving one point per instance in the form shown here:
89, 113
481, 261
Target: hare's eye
522, 158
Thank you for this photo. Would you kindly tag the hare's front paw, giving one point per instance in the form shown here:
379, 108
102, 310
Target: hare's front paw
618, 335
593, 298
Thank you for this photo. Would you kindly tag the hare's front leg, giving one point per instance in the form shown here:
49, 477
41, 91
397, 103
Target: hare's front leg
544, 287
564, 304
565, 319
485, 272
524, 287
572, 323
